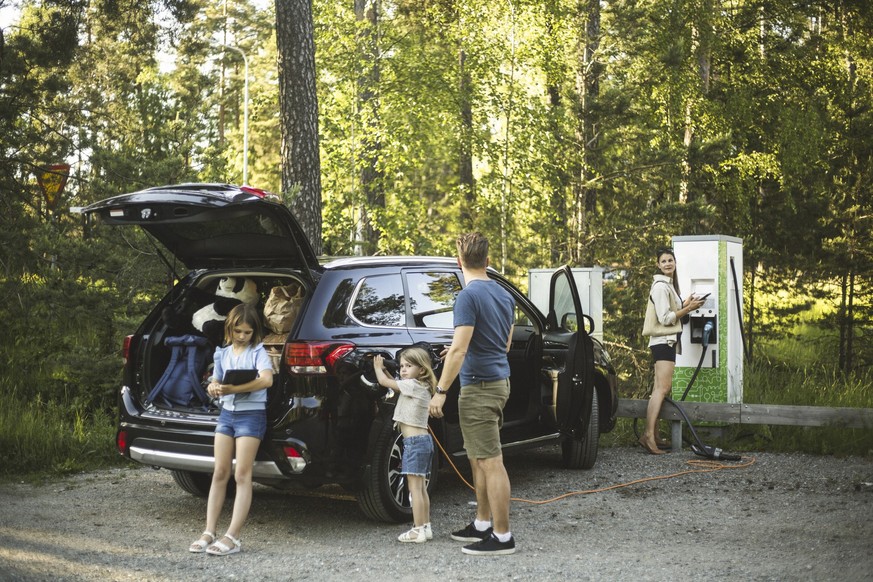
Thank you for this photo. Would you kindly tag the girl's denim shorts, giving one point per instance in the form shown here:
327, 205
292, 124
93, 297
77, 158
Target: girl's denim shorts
245, 423
417, 455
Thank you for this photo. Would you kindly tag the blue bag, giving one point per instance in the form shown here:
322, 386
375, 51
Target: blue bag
180, 384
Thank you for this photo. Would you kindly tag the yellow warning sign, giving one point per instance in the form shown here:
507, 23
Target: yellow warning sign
52, 180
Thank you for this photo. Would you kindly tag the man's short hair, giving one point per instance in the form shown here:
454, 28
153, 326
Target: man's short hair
473, 250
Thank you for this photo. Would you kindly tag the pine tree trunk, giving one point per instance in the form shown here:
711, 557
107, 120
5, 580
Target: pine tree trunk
465, 162
368, 112
298, 108
587, 129
850, 325
558, 187
558, 179
842, 320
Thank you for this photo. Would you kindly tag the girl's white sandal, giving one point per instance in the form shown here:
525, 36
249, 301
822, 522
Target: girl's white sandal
220, 548
199, 546
416, 535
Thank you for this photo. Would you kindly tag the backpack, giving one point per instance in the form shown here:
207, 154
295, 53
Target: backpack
180, 385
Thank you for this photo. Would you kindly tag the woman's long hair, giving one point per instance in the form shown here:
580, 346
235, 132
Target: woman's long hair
669, 251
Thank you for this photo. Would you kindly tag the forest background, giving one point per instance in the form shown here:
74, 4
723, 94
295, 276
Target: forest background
570, 132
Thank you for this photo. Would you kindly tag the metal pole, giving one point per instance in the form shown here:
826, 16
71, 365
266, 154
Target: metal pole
245, 177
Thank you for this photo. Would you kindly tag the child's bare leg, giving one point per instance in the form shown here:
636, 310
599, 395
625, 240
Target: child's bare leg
420, 500
246, 449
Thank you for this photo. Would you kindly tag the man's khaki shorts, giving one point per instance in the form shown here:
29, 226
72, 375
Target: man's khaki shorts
480, 408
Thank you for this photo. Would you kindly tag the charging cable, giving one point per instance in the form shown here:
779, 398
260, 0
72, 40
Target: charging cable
709, 466
698, 447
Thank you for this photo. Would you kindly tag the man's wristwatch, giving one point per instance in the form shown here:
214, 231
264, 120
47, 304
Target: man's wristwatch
441, 391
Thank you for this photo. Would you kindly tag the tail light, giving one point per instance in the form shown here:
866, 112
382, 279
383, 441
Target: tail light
125, 349
314, 357
121, 441
295, 459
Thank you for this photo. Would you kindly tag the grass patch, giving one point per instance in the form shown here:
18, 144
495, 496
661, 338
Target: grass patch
40, 438
816, 383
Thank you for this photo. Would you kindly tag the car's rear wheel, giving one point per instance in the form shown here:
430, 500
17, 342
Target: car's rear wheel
385, 492
581, 453
198, 484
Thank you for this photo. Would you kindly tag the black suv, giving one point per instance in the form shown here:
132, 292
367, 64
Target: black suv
328, 419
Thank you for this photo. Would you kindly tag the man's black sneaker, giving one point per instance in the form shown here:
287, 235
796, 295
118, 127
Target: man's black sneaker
471, 534
490, 546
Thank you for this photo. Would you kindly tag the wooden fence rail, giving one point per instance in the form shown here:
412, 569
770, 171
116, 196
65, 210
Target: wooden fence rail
750, 414
755, 413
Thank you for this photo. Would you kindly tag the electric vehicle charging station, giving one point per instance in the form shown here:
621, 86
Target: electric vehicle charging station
589, 283
712, 339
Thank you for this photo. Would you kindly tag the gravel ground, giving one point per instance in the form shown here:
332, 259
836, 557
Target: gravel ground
784, 517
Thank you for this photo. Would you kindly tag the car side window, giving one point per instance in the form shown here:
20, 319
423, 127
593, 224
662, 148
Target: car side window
380, 301
432, 298
521, 317
565, 308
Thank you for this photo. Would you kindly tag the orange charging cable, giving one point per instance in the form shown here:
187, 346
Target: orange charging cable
704, 466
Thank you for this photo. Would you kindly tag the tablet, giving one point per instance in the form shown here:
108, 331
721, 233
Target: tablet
237, 377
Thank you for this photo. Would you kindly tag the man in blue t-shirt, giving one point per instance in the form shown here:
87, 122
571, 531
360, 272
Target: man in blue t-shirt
483, 317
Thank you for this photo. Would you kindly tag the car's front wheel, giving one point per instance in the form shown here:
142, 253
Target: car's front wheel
385, 492
581, 453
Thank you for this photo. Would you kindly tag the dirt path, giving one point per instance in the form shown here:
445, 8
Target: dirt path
786, 517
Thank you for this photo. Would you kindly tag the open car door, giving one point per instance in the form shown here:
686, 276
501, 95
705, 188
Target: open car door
573, 404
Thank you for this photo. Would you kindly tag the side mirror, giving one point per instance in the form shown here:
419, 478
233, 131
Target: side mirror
570, 322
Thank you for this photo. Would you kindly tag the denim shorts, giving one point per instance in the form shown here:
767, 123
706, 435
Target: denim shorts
417, 455
245, 423
480, 409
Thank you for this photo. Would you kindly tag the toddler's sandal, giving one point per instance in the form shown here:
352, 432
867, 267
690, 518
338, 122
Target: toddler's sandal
199, 546
220, 548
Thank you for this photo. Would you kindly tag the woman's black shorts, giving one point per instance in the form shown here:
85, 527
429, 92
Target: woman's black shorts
661, 352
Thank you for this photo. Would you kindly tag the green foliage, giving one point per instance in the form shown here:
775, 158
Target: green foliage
803, 376
40, 437
50, 358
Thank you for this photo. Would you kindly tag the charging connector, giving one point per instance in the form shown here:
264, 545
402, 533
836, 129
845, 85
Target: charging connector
707, 330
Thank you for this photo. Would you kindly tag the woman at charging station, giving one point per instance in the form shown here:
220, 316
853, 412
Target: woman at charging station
663, 326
